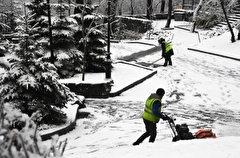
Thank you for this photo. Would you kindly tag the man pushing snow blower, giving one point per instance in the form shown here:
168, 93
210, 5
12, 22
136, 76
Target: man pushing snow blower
151, 116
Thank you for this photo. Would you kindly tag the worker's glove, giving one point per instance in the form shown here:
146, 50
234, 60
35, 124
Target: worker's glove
166, 117
171, 119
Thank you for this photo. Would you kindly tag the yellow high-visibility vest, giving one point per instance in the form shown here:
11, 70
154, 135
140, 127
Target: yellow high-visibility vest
148, 114
167, 46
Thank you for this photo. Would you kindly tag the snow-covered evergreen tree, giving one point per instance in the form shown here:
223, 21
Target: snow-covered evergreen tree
3, 26
2, 40
68, 59
91, 39
38, 8
19, 137
30, 84
12, 9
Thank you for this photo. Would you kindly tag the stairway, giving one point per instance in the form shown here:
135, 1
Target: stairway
233, 18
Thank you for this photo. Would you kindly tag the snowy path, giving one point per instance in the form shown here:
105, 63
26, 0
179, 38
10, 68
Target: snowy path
116, 122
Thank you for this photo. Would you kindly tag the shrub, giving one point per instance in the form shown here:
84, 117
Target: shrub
19, 136
207, 20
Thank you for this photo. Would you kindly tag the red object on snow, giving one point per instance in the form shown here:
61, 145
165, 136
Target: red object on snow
205, 133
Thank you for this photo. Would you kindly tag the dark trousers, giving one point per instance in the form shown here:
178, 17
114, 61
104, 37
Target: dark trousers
167, 57
151, 130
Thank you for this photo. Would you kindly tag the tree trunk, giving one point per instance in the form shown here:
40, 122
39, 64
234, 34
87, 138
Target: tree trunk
238, 35
50, 33
162, 6
79, 1
230, 28
193, 25
76, 10
114, 7
131, 6
69, 10
120, 8
238, 28
169, 14
149, 9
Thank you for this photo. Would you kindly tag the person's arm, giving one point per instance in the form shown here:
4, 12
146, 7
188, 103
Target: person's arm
163, 48
155, 110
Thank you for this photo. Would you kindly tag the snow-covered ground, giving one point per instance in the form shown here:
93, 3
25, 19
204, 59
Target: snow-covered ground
201, 90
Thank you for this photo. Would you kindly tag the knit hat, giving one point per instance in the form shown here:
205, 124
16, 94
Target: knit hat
160, 91
160, 40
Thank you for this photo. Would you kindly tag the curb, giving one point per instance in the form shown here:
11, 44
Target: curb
114, 94
207, 52
184, 28
62, 130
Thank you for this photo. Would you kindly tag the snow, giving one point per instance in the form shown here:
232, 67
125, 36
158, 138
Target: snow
126, 48
118, 74
201, 90
220, 46
71, 115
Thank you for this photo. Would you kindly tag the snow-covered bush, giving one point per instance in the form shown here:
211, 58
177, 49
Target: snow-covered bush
23, 141
167, 35
206, 20
211, 13
131, 35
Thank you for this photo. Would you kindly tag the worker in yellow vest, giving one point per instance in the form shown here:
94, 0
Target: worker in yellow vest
167, 51
151, 116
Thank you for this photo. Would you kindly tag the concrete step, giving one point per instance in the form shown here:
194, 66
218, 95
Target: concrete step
232, 19
236, 17
221, 24
236, 11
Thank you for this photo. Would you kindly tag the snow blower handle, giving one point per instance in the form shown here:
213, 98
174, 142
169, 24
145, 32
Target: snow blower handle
174, 133
168, 118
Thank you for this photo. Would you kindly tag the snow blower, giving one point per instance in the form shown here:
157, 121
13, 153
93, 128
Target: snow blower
181, 132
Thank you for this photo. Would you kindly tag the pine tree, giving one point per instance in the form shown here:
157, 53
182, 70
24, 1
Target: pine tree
10, 9
90, 39
30, 84
3, 42
68, 58
38, 8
